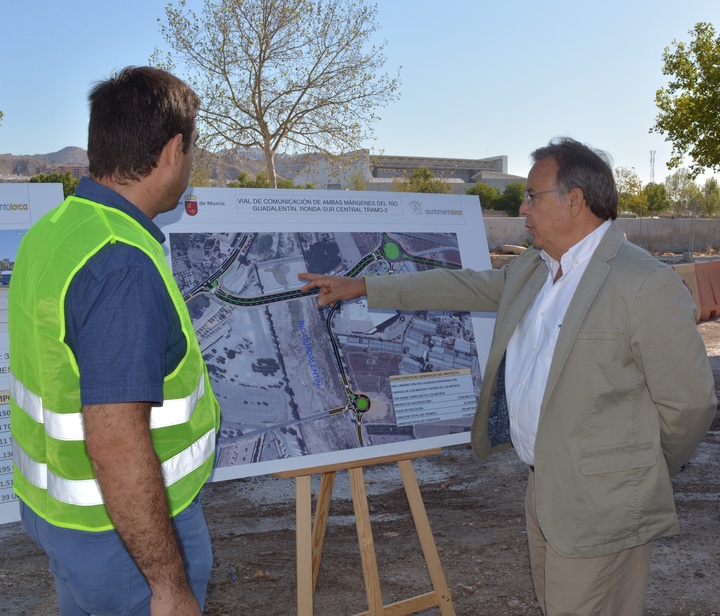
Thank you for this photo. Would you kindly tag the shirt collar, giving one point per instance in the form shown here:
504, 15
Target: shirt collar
93, 191
577, 254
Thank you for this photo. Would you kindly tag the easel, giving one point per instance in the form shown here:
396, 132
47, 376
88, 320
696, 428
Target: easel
311, 536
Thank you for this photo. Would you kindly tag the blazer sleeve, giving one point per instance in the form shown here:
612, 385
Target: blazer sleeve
669, 350
439, 289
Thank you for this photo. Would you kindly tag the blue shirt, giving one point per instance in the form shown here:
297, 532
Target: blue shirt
121, 323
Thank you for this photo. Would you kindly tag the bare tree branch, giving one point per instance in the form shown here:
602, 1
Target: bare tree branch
298, 74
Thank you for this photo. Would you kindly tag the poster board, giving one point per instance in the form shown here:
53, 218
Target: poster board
300, 386
20, 206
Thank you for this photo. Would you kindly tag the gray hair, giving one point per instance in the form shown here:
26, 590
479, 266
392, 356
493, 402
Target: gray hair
583, 167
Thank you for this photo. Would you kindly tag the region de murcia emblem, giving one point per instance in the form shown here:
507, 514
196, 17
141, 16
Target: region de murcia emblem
191, 205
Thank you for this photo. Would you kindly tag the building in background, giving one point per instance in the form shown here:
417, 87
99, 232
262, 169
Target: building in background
360, 170
77, 171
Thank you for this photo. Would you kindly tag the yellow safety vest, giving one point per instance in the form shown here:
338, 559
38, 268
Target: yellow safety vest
53, 474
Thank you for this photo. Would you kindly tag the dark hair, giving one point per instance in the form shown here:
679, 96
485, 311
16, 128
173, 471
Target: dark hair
590, 170
132, 117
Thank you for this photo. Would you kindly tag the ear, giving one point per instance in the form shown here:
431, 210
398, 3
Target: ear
577, 201
173, 150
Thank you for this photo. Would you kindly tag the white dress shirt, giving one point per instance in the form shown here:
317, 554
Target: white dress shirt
531, 348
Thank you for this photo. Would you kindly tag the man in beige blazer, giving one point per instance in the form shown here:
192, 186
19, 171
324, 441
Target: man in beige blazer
609, 389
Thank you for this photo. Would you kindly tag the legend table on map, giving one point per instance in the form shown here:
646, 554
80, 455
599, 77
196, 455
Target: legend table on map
432, 396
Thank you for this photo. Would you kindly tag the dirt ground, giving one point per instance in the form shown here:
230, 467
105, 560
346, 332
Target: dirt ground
476, 513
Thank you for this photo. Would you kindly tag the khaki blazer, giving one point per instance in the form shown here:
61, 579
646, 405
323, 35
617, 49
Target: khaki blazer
629, 396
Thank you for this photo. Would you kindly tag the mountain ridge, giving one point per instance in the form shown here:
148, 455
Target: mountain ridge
222, 167
27, 165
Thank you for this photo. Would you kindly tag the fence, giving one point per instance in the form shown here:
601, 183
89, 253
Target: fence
653, 234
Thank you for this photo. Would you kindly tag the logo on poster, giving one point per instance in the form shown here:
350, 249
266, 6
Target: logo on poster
418, 209
191, 204
11, 207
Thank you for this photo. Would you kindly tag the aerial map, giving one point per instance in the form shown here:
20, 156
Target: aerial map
293, 380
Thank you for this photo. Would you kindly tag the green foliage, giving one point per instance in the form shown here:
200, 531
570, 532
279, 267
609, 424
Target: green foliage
421, 180
261, 181
244, 181
68, 182
1, 116
689, 105
683, 193
303, 74
202, 172
512, 198
357, 181
489, 195
283, 183
656, 198
710, 203
631, 195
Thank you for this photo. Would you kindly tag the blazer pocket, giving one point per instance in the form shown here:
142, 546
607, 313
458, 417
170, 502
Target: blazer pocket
617, 459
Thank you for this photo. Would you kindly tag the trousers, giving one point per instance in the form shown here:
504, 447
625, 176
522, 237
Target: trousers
612, 585
95, 574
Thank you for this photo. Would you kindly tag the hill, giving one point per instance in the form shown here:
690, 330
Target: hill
29, 165
222, 167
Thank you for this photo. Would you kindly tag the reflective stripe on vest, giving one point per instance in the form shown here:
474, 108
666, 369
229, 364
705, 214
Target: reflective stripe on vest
69, 426
86, 492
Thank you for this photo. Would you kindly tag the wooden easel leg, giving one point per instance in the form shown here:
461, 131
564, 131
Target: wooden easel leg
322, 511
303, 516
311, 536
427, 542
365, 539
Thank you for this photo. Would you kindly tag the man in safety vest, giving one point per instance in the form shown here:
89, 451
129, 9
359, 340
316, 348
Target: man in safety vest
113, 418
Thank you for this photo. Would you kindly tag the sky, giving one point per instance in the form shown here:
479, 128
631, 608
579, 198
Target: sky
478, 78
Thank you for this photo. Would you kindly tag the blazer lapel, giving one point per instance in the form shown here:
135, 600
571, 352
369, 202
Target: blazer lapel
507, 322
591, 282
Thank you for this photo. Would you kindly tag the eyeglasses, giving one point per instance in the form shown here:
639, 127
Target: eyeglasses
529, 197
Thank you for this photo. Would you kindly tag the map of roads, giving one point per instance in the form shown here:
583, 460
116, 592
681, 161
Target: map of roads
294, 380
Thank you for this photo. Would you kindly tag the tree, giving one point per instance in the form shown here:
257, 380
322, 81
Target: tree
67, 180
512, 198
261, 181
683, 193
710, 203
489, 195
689, 105
421, 180
295, 73
631, 196
1, 116
656, 198
244, 181
202, 169
357, 181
